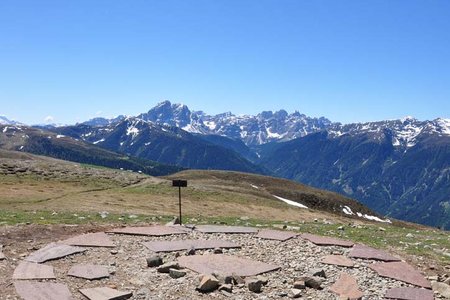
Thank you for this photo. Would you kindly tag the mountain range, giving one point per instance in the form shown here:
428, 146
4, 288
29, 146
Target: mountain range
399, 168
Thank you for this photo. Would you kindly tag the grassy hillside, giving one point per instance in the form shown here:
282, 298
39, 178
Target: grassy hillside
41, 190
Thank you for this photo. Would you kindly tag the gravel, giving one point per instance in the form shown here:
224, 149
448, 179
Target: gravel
129, 270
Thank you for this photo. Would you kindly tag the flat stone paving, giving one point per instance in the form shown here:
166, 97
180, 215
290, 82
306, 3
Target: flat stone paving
225, 265
326, 241
408, 293
98, 239
29, 270
278, 235
42, 290
89, 271
346, 287
105, 293
401, 271
337, 260
366, 252
53, 251
169, 246
157, 230
225, 229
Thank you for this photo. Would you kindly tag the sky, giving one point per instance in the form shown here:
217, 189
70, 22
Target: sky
351, 61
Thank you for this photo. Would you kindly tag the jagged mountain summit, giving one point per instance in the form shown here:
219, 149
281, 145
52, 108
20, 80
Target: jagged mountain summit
280, 126
263, 128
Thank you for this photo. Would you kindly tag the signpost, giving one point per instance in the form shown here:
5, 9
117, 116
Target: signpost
179, 184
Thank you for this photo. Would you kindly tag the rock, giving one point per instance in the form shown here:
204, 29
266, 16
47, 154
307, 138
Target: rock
237, 279
191, 251
295, 293
165, 268
410, 235
263, 279
208, 283
154, 261
312, 282
175, 221
341, 228
318, 273
227, 279
175, 273
433, 278
254, 285
218, 251
442, 288
299, 285
381, 229
226, 287
114, 252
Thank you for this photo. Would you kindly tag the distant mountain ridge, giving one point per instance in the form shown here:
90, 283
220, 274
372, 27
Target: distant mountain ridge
400, 168
5, 121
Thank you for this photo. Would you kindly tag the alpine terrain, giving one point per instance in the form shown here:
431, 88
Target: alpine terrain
399, 168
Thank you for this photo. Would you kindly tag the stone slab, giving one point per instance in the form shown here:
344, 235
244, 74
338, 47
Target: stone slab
366, 252
150, 230
346, 287
29, 270
442, 288
105, 293
169, 246
89, 271
225, 229
408, 293
338, 260
401, 271
2, 256
42, 291
278, 235
225, 265
326, 241
53, 251
98, 239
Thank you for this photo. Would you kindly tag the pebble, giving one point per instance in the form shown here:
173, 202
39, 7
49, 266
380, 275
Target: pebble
154, 261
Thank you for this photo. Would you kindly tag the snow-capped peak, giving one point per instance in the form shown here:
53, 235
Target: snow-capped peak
407, 118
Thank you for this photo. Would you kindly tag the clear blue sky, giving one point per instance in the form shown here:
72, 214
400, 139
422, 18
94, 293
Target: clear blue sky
350, 61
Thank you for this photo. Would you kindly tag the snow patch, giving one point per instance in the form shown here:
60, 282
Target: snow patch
347, 210
99, 141
60, 136
190, 128
254, 186
272, 134
373, 218
133, 131
210, 124
290, 202
444, 125
5, 129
